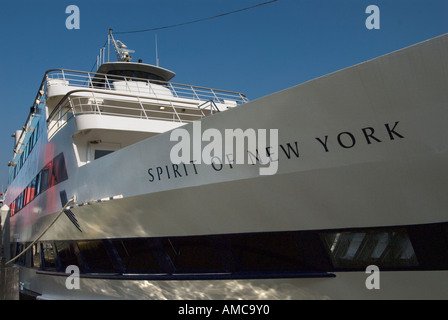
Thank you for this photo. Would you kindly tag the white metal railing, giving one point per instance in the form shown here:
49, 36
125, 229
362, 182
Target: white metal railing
103, 94
111, 103
142, 86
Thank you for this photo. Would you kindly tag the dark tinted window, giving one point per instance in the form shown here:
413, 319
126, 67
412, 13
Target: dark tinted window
96, 257
67, 253
49, 256
19, 248
416, 247
273, 252
36, 255
101, 153
133, 74
59, 171
141, 256
45, 178
192, 254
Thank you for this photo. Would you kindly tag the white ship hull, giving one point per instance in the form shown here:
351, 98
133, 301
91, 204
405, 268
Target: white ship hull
359, 149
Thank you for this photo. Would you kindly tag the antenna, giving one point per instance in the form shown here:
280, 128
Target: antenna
157, 55
108, 45
100, 58
121, 49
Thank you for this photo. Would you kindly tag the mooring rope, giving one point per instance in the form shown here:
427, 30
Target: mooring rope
42, 234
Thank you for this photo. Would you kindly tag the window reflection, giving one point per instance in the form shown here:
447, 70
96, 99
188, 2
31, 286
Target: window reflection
53, 173
360, 249
49, 256
36, 257
67, 253
96, 256
251, 254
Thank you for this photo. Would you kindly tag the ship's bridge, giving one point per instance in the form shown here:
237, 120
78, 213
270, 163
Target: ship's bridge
135, 71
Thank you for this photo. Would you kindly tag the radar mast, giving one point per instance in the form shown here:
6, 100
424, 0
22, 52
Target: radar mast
121, 49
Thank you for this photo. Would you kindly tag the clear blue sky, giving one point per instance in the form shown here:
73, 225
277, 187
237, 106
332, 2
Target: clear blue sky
258, 51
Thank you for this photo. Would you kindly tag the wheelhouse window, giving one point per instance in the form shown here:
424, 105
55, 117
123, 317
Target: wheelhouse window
135, 74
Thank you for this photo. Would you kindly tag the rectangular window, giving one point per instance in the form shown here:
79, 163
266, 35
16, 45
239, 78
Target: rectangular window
192, 254
13, 208
16, 204
67, 253
38, 183
96, 257
31, 141
268, 252
49, 256
99, 150
20, 202
59, 171
45, 178
36, 256
32, 189
101, 153
36, 134
26, 195
140, 255
21, 260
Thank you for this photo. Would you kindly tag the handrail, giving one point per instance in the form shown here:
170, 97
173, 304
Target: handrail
118, 94
104, 79
178, 90
146, 104
212, 106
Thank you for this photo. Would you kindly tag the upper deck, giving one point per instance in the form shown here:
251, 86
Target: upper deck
121, 93
120, 97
